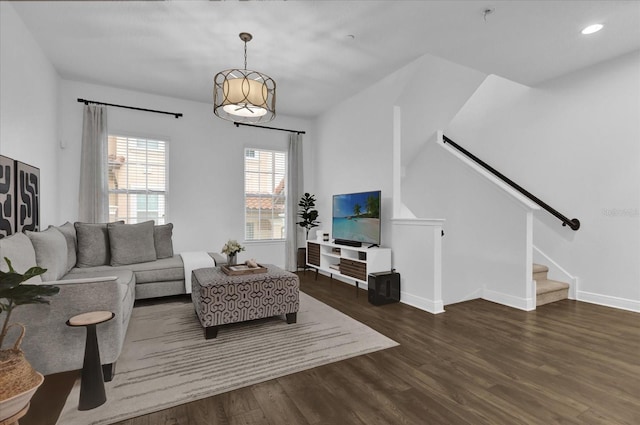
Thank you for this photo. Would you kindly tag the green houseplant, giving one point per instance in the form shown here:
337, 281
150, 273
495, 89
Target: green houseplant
13, 293
18, 380
308, 213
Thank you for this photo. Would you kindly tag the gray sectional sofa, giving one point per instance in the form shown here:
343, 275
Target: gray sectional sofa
97, 267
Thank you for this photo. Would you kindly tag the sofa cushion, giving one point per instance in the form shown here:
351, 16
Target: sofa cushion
168, 288
51, 252
93, 244
162, 238
131, 243
163, 270
69, 233
19, 250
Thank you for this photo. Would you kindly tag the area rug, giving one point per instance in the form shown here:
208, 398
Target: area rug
166, 361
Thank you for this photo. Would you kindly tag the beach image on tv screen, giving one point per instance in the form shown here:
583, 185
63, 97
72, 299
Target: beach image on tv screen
356, 217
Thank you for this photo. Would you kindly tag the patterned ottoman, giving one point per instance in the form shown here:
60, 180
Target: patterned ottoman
220, 299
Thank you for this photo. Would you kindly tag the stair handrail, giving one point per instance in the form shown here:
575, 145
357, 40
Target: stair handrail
573, 223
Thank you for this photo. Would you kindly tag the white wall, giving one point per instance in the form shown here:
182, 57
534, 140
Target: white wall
421, 244
353, 153
206, 168
484, 249
573, 142
355, 138
432, 92
28, 95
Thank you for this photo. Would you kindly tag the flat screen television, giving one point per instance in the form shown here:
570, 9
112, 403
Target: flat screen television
356, 218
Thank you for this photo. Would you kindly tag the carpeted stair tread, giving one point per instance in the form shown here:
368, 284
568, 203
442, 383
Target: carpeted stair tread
547, 290
550, 291
540, 268
544, 286
540, 272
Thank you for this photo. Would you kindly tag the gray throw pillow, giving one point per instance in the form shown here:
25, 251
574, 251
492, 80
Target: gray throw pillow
162, 239
69, 233
19, 250
93, 244
51, 252
131, 243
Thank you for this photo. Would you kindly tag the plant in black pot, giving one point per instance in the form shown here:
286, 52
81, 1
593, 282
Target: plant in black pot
307, 213
18, 380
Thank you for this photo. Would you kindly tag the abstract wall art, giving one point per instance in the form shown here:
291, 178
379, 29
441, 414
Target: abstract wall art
27, 197
7, 196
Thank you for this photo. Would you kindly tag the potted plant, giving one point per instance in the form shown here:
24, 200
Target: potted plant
232, 248
18, 380
308, 213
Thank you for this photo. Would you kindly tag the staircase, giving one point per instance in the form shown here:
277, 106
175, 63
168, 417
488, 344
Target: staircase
548, 291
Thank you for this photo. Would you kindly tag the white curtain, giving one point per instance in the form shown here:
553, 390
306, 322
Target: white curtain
295, 183
94, 198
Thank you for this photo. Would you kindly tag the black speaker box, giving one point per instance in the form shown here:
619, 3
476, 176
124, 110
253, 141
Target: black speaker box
384, 288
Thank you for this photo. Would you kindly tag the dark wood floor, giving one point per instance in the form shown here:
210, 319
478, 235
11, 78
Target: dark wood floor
478, 363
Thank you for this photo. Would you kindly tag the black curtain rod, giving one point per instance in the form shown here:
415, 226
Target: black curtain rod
86, 102
238, 124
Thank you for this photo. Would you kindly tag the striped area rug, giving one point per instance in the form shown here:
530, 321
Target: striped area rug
166, 361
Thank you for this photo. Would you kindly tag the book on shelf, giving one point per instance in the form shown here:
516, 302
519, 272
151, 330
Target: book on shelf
334, 266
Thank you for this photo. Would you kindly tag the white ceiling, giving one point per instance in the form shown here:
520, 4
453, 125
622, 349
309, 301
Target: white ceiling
174, 48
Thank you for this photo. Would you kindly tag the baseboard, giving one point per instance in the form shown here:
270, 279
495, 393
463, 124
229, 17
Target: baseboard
430, 306
473, 295
526, 304
609, 301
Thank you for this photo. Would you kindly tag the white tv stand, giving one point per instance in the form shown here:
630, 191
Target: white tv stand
354, 263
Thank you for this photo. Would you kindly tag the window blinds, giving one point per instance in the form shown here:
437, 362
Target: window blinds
137, 179
265, 194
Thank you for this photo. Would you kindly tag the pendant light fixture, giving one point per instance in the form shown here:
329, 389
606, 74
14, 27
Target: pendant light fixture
242, 95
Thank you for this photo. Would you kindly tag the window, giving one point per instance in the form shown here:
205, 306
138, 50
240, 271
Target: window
264, 194
137, 179
249, 235
147, 144
147, 207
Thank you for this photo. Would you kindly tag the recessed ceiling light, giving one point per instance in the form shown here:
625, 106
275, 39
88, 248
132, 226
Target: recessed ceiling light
592, 28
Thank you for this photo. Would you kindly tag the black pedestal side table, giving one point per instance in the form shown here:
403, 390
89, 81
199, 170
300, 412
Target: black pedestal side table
92, 392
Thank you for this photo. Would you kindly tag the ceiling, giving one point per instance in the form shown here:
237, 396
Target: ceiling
320, 52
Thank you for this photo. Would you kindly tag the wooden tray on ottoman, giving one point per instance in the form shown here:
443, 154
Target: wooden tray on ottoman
242, 269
